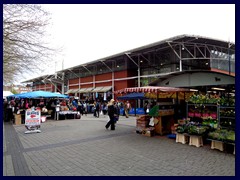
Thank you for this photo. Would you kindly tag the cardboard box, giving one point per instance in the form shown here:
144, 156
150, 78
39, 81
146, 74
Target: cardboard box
18, 119
148, 132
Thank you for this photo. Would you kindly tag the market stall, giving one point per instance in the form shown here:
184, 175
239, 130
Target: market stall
211, 119
133, 96
35, 96
167, 99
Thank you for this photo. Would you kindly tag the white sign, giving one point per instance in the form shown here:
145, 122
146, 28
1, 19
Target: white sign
33, 118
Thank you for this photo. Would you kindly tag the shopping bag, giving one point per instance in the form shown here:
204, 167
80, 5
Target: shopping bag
116, 118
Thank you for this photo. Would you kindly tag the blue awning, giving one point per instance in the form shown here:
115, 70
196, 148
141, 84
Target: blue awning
132, 96
39, 94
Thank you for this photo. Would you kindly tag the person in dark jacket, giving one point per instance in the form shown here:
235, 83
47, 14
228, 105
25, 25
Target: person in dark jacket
111, 111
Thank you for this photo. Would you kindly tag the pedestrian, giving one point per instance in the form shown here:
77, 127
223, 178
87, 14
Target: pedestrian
5, 110
116, 112
80, 107
85, 108
127, 107
97, 109
111, 112
94, 109
104, 108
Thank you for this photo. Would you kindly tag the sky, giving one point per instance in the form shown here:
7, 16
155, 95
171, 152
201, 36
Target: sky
87, 32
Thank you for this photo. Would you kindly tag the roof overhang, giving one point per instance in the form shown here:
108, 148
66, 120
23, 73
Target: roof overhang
193, 79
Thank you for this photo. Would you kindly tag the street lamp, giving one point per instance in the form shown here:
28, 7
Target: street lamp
229, 58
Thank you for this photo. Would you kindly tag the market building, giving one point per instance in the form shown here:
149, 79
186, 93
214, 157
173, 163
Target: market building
163, 78
183, 61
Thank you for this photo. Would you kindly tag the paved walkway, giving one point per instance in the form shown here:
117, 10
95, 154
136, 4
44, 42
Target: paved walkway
83, 147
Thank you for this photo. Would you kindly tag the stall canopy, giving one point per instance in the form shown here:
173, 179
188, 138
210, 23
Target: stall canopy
39, 94
154, 92
151, 89
132, 96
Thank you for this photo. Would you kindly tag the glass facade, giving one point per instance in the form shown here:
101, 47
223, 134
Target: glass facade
223, 61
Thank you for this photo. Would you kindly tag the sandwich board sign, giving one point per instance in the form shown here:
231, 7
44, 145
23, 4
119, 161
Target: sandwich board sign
32, 120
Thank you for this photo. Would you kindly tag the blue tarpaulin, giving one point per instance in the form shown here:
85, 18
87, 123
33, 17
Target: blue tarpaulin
132, 96
39, 94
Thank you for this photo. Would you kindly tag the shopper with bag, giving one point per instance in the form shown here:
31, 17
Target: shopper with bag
111, 111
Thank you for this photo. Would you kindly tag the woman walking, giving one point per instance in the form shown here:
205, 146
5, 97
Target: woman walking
111, 111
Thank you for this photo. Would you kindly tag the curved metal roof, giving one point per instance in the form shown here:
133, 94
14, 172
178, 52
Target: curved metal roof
163, 43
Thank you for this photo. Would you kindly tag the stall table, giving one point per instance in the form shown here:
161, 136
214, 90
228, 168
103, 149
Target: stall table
66, 114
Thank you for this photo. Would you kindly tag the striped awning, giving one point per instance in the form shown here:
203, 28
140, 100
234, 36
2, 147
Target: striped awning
102, 89
71, 91
105, 89
74, 90
97, 89
85, 90
82, 90
151, 89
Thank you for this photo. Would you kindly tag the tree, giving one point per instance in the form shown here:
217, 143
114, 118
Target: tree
24, 49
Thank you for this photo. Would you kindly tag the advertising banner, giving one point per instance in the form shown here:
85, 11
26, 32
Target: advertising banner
32, 120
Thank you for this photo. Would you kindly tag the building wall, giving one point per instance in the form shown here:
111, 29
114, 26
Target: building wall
44, 87
104, 80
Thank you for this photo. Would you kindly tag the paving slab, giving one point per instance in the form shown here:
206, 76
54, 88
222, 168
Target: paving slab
83, 147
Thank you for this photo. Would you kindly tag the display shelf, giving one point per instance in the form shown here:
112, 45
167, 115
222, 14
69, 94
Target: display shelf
202, 110
227, 117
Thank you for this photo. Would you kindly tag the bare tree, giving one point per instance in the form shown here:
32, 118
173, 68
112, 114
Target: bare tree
24, 49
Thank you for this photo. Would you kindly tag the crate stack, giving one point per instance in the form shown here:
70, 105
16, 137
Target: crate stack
142, 123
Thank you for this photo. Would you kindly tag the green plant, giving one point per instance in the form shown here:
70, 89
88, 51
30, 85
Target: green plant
154, 111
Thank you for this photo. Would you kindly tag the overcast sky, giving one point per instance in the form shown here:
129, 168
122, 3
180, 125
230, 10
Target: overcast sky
90, 32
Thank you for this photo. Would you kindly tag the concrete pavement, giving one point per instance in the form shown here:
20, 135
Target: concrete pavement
83, 147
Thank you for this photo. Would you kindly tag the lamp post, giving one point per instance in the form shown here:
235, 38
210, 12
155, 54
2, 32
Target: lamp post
229, 58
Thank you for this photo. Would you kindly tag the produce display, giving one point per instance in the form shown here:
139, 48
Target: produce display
222, 135
193, 129
201, 99
227, 113
209, 121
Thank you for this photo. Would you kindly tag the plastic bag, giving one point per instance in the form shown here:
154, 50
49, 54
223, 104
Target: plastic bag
151, 122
